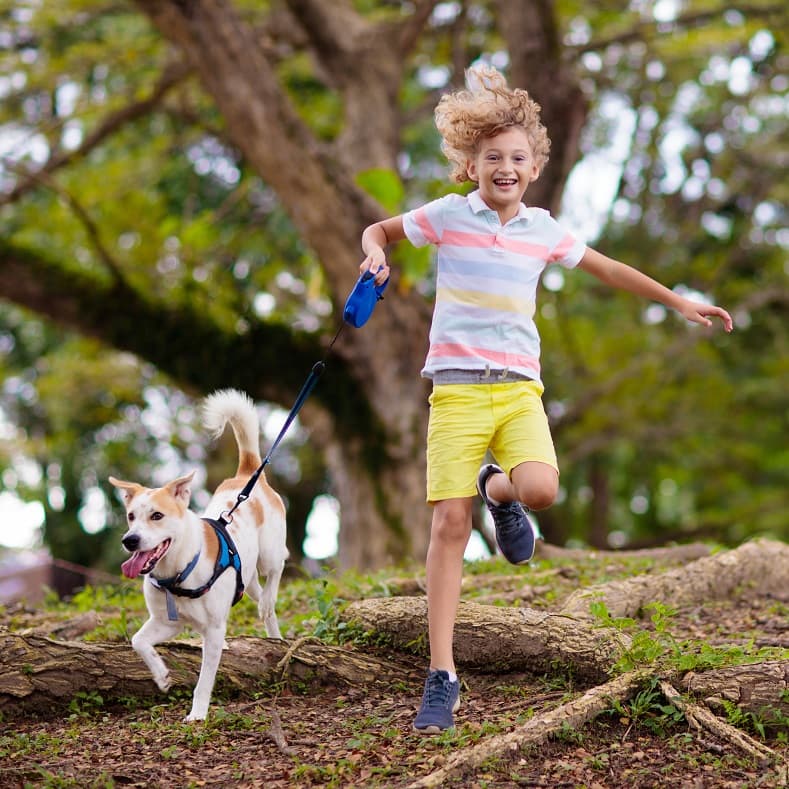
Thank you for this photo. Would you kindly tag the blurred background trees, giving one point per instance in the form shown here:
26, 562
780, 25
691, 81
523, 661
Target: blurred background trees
182, 192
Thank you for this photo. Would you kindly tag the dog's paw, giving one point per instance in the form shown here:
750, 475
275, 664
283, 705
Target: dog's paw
163, 681
191, 718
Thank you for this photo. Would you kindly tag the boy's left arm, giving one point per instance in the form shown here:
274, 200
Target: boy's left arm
620, 275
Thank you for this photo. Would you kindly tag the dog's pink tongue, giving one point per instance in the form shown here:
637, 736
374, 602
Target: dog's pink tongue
132, 566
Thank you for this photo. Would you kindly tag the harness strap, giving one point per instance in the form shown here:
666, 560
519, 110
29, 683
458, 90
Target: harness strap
228, 557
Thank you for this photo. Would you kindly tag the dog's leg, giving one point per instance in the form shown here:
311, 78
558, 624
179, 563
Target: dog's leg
153, 632
268, 601
213, 640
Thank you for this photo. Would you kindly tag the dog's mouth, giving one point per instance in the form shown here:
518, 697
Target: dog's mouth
142, 562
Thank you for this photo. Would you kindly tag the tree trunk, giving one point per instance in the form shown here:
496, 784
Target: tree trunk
376, 462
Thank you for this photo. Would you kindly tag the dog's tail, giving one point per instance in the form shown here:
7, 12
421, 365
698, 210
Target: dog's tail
234, 407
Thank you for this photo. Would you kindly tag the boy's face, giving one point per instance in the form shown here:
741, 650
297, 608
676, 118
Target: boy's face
503, 167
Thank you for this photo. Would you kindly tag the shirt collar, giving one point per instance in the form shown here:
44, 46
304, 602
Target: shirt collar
477, 205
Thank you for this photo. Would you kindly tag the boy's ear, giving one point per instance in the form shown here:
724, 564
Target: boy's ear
471, 170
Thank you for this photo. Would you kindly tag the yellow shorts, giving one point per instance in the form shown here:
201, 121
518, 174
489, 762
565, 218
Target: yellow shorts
467, 420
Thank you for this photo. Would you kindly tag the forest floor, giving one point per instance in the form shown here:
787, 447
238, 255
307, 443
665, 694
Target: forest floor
309, 736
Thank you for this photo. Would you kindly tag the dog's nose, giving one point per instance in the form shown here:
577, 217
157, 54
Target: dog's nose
131, 542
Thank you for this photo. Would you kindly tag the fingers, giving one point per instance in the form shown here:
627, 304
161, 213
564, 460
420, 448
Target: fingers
719, 312
378, 266
702, 311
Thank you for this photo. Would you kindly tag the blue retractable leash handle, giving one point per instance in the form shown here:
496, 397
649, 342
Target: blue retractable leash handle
362, 300
357, 311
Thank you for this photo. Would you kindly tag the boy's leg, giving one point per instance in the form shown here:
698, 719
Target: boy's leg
449, 536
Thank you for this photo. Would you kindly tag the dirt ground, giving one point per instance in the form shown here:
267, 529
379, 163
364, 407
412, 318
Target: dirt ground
348, 737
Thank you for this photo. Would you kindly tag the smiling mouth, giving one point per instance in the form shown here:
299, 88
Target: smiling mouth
142, 562
505, 181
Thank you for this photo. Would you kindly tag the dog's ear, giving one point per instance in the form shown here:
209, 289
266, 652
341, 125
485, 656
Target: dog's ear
128, 489
181, 488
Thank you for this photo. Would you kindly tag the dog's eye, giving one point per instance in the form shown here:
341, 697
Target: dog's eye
130, 516
156, 516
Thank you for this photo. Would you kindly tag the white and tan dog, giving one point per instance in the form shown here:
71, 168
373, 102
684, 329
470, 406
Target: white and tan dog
171, 544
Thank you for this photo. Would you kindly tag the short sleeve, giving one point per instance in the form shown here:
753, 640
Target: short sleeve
425, 225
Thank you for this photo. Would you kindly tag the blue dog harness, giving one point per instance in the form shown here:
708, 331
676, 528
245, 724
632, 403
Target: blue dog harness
228, 557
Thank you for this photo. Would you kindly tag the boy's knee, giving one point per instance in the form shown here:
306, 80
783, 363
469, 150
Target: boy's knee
540, 499
538, 493
450, 526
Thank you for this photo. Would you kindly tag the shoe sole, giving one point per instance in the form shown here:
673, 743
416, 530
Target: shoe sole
438, 729
432, 730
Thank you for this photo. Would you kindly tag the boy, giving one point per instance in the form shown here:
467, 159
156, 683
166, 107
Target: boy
484, 347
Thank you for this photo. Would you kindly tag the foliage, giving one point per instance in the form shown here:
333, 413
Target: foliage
659, 647
663, 430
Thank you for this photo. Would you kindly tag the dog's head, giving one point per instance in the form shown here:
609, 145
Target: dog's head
155, 517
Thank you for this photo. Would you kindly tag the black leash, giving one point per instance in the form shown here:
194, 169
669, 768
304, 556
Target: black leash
311, 382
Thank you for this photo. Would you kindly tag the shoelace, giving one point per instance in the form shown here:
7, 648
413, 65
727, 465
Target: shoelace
438, 691
509, 517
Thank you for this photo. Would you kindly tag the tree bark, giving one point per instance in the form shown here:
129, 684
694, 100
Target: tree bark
374, 439
491, 638
42, 675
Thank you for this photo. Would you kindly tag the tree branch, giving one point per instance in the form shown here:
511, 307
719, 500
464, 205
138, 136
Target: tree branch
172, 76
647, 30
181, 338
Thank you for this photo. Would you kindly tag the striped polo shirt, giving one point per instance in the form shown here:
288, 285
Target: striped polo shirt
486, 282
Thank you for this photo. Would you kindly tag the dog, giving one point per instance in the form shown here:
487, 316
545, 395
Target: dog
194, 569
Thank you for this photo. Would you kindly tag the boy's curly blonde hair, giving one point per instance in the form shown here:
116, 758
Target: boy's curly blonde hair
487, 106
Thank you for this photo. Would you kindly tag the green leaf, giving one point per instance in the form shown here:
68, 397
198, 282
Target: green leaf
384, 185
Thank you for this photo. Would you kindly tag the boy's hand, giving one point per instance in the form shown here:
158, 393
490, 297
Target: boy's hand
376, 262
697, 312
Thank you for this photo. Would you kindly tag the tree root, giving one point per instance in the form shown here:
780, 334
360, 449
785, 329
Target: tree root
760, 565
701, 718
759, 688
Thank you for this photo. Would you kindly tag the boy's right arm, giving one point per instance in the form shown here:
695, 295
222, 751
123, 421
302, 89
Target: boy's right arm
374, 239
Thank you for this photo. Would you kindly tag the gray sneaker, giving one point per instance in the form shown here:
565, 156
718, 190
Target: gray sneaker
515, 533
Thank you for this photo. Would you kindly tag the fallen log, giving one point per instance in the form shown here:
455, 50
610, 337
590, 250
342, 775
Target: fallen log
492, 638
43, 675
760, 566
